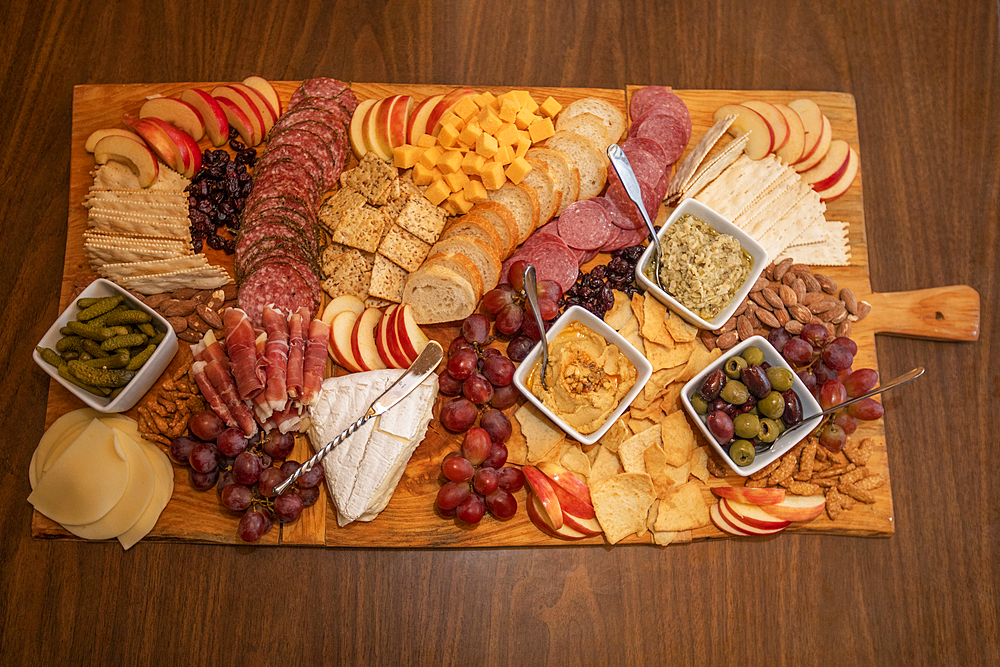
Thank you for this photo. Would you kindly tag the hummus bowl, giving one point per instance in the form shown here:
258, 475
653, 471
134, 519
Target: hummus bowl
757, 254
580, 316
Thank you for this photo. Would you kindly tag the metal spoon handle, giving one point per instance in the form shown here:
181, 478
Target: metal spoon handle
531, 292
892, 384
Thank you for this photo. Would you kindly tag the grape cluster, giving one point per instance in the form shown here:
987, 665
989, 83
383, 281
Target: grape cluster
478, 480
825, 367
243, 473
514, 318
217, 194
593, 290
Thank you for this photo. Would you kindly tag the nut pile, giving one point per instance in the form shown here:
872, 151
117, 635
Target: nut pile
164, 412
190, 312
789, 295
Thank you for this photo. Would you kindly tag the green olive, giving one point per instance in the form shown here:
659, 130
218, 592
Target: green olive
754, 356
772, 405
734, 365
768, 430
780, 378
742, 453
735, 392
781, 426
746, 425
699, 404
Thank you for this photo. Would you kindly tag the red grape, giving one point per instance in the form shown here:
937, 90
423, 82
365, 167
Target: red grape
247, 468
458, 414
549, 289
279, 445
236, 497
797, 351
510, 319
231, 442
471, 510
846, 422
203, 481
851, 346
206, 425
311, 478
457, 469
290, 466
499, 370
778, 337
815, 334
832, 393
253, 525
485, 481
225, 479
504, 397
837, 357
204, 457
476, 445
309, 496
476, 328
823, 373
497, 425
861, 381
510, 479
832, 437
477, 389
270, 478
287, 507
530, 328
515, 276
448, 385
519, 348
501, 504
458, 343
462, 364
497, 457
547, 308
180, 449
452, 494
497, 298
867, 409
808, 379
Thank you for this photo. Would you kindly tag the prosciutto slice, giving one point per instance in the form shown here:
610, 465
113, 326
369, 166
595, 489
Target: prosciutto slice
209, 348
314, 362
241, 348
223, 383
261, 408
289, 419
276, 359
211, 395
296, 351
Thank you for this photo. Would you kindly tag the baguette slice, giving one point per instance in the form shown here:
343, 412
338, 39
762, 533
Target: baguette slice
523, 203
567, 176
503, 222
486, 259
611, 117
438, 294
471, 224
590, 126
461, 265
544, 184
591, 162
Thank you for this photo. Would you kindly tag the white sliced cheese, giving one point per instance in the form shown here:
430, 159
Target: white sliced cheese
56, 439
163, 488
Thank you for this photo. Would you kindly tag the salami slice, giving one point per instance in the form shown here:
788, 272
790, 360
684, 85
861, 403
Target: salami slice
648, 145
647, 169
292, 152
279, 284
620, 238
288, 175
554, 262
542, 237
325, 88
649, 97
666, 131
331, 112
584, 225
618, 196
330, 157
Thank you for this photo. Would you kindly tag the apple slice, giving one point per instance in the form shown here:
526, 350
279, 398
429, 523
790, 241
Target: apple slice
246, 105
576, 513
536, 512
411, 337
792, 150
133, 153
812, 123
267, 114
216, 124
765, 496
186, 145
843, 184
236, 118
567, 480
97, 135
797, 508
775, 119
416, 126
395, 347
176, 112
370, 132
394, 117
723, 525
363, 340
389, 351
445, 105
382, 122
157, 139
752, 515
747, 120
541, 485
340, 304
341, 331
826, 134
264, 87
829, 170
738, 523
356, 131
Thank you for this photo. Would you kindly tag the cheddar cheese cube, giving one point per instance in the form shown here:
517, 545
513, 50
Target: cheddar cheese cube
461, 204
493, 176
541, 130
506, 135
405, 156
472, 163
465, 108
470, 134
422, 175
524, 119
522, 145
426, 141
475, 191
452, 118
508, 110
517, 170
550, 108
504, 155
448, 135
524, 97
450, 162
489, 120
430, 157
437, 192
484, 100
486, 145
456, 180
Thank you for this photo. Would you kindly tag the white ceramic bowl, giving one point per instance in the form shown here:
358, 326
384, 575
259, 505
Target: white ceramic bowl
723, 226
781, 446
644, 370
146, 376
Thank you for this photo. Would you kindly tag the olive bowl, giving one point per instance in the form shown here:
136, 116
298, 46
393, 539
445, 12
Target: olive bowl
783, 444
644, 370
143, 379
757, 254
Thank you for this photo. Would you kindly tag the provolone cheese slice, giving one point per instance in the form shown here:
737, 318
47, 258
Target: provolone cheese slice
163, 488
133, 501
86, 481
56, 439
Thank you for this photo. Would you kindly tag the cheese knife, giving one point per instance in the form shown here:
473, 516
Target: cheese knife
425, 364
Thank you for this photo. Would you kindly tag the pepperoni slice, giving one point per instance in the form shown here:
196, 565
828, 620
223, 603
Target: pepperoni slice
584, 225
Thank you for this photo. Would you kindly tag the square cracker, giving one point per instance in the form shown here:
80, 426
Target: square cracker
331, 210
350, 272
388, 280
373, 178
684, 509
403, 248
422, 219
361, 228
677, 438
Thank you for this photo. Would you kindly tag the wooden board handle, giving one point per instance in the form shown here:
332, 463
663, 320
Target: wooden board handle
943, 313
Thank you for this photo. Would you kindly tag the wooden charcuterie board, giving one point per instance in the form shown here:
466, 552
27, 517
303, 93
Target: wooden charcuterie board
409, 521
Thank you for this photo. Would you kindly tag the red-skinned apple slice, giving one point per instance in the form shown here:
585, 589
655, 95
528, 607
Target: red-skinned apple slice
382, 337
216, 123
538, 516
246, 105
264, 87
410, 336
843, 184
812, 123
97, 135
356, 131
416, 126
738, 523
444, 106
764, 496
752, 515
829, 170
723, 525
363, 340
577, 514
774, 118
187, 146
747, 120
267, 112
157, 139
797, 508
236, 118
341, 331
370, 131
340, 304
541, 485
792, 150
176, 112
398, 116
566, 480
382, 122
826, 135
132, 152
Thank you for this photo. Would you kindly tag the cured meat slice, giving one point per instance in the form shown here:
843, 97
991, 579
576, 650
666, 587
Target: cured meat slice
584, 225
280, 283
615, 216
648, 145
555, 262
331, 114
292, 152
314, 361
213, 397
620, 238
288, 419
222, 381
209, 348
276, 358
296, 354
327, 155
670, 129
241, 349
276, 172
327, 88
616, 193
646, 167
261, 409
649, 97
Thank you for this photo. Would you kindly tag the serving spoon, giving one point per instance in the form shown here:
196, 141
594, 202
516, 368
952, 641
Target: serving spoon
620, 163
531, 292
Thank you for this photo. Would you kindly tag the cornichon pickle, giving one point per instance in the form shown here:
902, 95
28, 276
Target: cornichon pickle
147, 328
119, 360
100, 377
93, 333
128, 317
99, 307
138, 360
158, 338
69, 343
69, 377
93, 348
127, 340
120, 330
85, 356
51, 357
114, 392
100, 320
83, 304
66, 331
69, 355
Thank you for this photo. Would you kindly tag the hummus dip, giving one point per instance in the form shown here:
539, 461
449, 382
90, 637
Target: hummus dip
587, 378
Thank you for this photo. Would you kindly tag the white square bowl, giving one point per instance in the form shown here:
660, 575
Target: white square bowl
783, 444
720, 224
146, 376
644, 370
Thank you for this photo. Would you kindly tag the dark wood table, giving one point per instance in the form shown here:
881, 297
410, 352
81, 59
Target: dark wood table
926, 76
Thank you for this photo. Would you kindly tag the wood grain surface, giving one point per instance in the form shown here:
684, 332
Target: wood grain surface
923, 75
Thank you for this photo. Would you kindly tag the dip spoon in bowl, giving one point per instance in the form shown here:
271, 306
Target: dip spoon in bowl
620, 163
531, 292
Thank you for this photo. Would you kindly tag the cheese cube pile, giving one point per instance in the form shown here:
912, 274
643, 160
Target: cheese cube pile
479, 145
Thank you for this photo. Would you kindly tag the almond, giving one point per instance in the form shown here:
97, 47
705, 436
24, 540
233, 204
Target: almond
787, 295
794, 327
812, 297
210, 317
744, 328
772, 298
838, 314
197, 324
863, 309
782, 268
799, 287
189, 336
844, 329
812, 285
782, 316
185, 293
760, 284
742, 308
154, 300
800, 313
826, 282
769, 271
177, 307
727, 340
825, 304
800, 269
850, 301
707, 339
216, 300
768, 319
758, 298
178, 324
